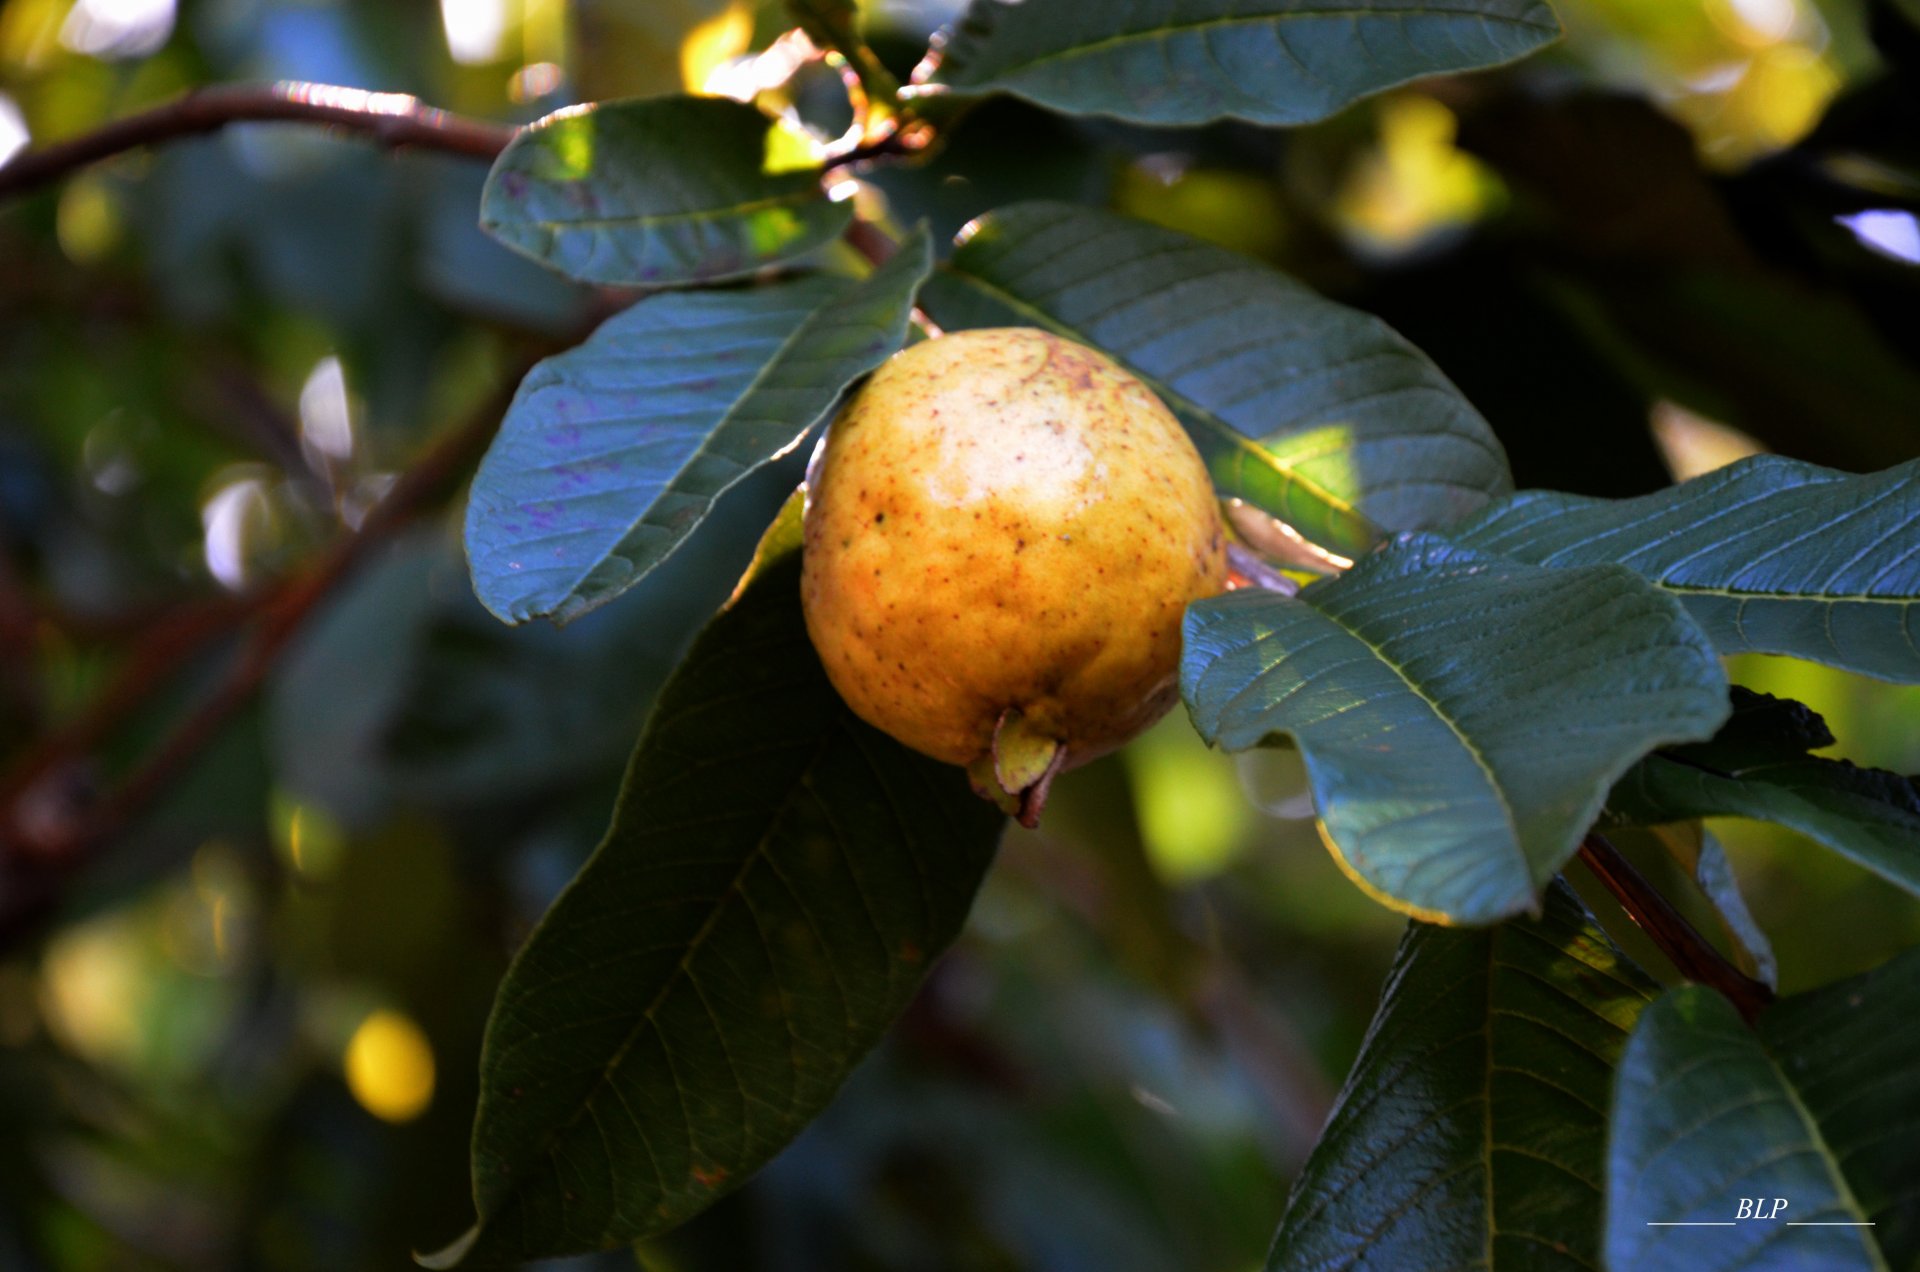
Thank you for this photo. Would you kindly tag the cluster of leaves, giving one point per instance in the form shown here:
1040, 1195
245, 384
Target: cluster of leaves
1495, 674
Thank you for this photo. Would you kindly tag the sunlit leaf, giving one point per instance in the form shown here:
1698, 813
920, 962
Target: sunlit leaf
1708, 1114
654, 192
1470, 1131
1461, 717
1190, 61
1771, 555
613, 452
1318, 413
777, 879
1759, 766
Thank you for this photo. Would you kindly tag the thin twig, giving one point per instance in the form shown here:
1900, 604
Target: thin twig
170, 642
871, 242
901, 143
1691, 953
388, 119
42, 858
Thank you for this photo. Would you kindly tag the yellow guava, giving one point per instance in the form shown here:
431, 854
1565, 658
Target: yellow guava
1002, 531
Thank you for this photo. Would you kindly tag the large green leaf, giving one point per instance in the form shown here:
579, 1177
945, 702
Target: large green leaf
1470, 1131
654, 192
1771, 555
1821, 1108
1758, 766
1461, 717
776, 881
1189, 61
613, 452
1850, 1050
1320, 414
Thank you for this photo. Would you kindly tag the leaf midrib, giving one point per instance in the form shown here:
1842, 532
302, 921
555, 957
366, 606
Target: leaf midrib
1818, 1137
1486, 769
1806, 598
728, 415
643, 219
1096, 47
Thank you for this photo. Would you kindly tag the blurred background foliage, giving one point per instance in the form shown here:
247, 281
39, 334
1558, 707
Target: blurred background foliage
247, 1037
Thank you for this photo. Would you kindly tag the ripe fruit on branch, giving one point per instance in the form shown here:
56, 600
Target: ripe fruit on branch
1003, 530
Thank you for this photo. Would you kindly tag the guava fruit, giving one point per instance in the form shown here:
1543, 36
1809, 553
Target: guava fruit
1003, 529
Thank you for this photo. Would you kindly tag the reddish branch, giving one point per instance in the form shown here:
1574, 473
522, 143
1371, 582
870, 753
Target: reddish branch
43, 844
388, 119
1691, 953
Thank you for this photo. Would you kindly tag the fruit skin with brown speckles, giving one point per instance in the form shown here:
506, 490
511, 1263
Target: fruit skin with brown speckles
1004, 528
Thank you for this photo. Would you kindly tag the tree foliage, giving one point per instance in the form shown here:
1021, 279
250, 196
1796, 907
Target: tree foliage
1509, 707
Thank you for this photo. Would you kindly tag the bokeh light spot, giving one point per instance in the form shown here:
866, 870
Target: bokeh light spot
389, 1067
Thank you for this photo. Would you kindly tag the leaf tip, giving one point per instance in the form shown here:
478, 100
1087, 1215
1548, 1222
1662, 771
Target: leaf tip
449, 1256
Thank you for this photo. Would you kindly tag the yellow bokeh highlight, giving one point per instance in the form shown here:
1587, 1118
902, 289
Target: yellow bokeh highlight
308, 841
1193, 819
1416, 182
1747, 77
713, 44
543, 32
88, 222
1777, 101
96, 981
1238, 210
789, 148
389, 1067
30, 31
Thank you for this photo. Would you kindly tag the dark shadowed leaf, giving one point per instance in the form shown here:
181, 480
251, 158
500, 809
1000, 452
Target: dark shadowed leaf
1758, 767
1849, 1050
613, 452
654, 192
1470, 1131
1318, 413
1771, 555
1461, 717
776, 881
1820, 1108
1189, 61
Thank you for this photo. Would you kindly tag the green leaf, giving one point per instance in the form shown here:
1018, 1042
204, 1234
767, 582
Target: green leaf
1461, 717
777, 879
1771, 555
1470, 1131
1849, 1049
613, 452
1190, 61
1320, 414
1758, 767
1707, 1113
654, 192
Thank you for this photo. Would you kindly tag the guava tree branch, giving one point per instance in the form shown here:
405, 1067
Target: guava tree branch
388, 119
44, 846
1691, 953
